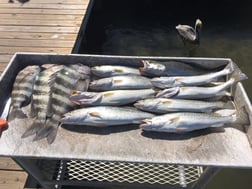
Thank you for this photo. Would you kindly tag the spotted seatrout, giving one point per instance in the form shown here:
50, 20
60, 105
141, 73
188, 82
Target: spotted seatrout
110, 98
102, 116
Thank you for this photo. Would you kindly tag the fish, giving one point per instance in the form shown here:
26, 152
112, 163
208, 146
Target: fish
65, 82
110, 98
41, 97
197, 92
178, 81
153, 68
22, 91
113, 70
104, 116
164, 105
183, 122
120, 82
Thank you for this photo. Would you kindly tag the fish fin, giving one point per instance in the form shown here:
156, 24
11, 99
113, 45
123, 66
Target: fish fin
118, 70
52, 134
181, 130
229, 105
117, 81
175, 119
94, 114
106, 94
167, 93
166, 102
16, 113
238, 75
242, 116
35, 127
230, 67
75, 92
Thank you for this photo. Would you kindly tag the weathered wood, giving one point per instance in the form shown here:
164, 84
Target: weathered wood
42, 11
5, 58
36, 35
12, 179
8, 164
45, 6
23, 22
36, 43
12, 50
46, 29
20, 16
50, 1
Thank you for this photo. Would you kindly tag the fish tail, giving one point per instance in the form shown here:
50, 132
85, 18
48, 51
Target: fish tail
230, 67
16, 113
49, 131
242, 116
229, 105
238, 75
34, 128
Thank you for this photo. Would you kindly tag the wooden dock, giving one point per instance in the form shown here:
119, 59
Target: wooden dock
45, 26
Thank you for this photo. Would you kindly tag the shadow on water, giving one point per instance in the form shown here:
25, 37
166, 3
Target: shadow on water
147, 27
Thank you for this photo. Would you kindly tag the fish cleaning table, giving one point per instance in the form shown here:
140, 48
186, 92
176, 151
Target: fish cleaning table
121, 147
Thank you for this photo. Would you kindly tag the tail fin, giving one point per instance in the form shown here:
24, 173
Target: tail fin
16, 113
242, 116
229, 105
34, 128
238, 75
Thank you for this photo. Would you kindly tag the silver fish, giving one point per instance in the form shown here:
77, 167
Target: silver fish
41, 97
120, 82
169, 68
110, 98
177, 81
187, 121
164, 105
65, 82
22, 91
113, 70
201, 92
102, 116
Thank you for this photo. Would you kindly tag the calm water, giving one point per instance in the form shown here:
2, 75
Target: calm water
148, 28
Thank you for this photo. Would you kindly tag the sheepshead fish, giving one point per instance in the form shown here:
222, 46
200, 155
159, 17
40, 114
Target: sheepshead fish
177, 81
41, 97
190, 92
164, 105
120, 82
65, 82
113, 70
110, 98
103, 116
169, 68
187, 121
22, 91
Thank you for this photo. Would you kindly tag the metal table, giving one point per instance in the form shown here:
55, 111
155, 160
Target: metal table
84, 155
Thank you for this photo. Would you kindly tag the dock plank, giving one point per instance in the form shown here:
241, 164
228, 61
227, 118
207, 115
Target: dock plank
8, 164
12, 179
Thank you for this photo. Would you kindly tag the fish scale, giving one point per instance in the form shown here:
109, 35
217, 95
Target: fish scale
59, 104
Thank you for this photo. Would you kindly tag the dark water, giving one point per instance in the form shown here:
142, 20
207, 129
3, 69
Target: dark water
147, 27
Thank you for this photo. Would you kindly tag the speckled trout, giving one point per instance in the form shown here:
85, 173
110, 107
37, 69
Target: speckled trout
103, 116
111, 98
197, 92
113, 70
120, 82
187, 121
177, 81
164, 105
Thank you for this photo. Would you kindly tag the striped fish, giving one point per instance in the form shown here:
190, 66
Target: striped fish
22, 91
41, 96
66, 80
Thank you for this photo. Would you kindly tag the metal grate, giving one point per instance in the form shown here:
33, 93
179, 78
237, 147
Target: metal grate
125, 172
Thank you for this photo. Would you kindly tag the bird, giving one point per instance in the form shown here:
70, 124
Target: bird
190, 36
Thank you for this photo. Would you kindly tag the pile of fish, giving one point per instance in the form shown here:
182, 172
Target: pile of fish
158, 96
